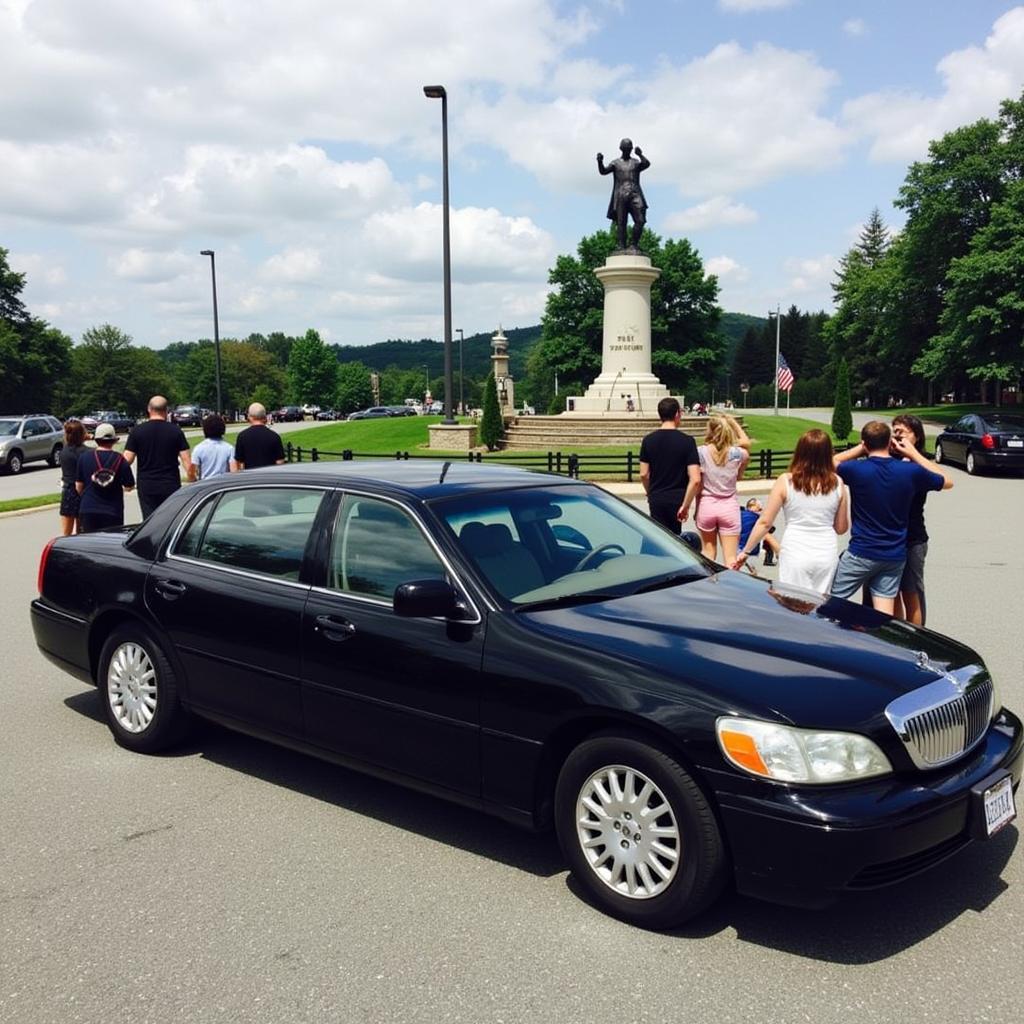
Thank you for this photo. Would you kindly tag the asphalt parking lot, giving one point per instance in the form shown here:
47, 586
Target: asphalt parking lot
237, 881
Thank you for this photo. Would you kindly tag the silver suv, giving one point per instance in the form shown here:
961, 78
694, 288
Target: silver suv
29, 439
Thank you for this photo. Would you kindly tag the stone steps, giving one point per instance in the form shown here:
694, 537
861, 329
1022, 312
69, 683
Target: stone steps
563, 433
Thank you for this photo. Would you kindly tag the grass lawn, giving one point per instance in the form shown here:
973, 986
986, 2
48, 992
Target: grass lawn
944, 414
14, 504
409, 433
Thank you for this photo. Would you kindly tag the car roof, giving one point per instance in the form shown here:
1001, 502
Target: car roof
422, 478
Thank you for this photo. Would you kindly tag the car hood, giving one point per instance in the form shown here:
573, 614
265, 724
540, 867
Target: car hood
761, 648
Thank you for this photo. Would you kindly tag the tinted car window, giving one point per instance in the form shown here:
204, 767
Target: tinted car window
262, 530
376, 547
33, 428
1005, 423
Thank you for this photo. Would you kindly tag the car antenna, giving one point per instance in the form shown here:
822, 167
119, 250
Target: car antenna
444, 472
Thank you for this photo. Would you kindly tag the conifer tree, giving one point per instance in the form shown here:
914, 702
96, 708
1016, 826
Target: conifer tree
492, 426
842, 416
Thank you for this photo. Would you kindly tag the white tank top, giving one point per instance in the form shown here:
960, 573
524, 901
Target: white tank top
810, 516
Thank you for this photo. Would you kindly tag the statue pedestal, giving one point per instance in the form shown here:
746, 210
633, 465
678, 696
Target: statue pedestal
455, 437
626, 379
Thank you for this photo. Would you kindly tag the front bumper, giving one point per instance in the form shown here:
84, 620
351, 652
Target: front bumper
808, 846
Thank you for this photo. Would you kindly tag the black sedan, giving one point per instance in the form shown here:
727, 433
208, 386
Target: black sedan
983, 441
375, 412
536, 648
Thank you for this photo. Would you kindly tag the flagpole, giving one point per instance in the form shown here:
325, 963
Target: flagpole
778, 336
788, 393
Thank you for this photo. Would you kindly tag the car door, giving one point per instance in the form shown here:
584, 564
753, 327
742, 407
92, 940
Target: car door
399, 693
956, 441
230, 594
36, 437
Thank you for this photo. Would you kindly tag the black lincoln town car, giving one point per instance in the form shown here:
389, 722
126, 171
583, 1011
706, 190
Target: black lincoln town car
536, 648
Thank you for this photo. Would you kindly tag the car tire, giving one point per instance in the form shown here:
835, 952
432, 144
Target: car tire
971, 464
15, 461
54, 459
940, 455
141, 700
667, 871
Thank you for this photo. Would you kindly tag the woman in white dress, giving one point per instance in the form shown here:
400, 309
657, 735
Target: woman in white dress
817, 511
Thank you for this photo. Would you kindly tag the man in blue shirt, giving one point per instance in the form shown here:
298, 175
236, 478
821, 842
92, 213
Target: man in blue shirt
882, 488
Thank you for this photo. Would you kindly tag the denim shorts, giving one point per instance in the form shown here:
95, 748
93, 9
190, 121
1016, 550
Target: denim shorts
913, 572
854, 572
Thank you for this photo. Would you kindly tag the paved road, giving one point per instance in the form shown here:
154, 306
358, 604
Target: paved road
235, 881
38, 478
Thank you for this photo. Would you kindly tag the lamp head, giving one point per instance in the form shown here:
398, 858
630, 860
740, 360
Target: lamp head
434, 92
205, 252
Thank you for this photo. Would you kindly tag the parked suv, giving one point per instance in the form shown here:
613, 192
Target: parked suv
288, 414
188, 415
32, 438
120, 421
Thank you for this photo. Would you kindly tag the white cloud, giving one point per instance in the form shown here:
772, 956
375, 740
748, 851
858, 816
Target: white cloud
742, 6
855, 27
147, 266
295, 264
735, 118
38, 268
811, 274
975, 81
714, 212
726, 268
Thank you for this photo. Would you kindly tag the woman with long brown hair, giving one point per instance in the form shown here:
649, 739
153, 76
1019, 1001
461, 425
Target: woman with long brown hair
74, 445
816, 509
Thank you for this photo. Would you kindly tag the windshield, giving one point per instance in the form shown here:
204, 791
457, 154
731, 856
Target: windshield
542, 544
8, 428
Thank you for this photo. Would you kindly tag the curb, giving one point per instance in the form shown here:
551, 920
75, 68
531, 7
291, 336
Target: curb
29, 511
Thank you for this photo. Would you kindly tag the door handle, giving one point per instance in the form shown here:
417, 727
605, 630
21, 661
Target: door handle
169, 589
334, 629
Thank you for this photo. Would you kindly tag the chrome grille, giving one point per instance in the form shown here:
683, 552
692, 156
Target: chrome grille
943, 720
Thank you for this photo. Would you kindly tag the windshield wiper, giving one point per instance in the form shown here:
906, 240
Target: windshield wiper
568, 600
670, 581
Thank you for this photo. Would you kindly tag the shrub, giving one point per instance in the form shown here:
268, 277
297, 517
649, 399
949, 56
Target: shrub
492, 425
842, 417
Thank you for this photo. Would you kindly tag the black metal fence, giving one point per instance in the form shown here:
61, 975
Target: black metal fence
764, 464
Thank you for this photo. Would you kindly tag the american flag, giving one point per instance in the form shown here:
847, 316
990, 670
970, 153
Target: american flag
785, 374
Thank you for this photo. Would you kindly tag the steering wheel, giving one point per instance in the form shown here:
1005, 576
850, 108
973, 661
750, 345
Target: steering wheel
591, 555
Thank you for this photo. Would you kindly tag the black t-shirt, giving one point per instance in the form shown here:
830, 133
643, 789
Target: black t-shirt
109, 500
668, 453
258, 446
916, 533
69, 463
157, 444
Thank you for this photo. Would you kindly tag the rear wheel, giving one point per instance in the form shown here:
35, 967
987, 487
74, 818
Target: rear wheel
940, 455
15, 462
638, 832
972, 465
54, 458
140, 692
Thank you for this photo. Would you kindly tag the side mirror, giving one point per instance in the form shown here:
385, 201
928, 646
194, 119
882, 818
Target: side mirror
427, 599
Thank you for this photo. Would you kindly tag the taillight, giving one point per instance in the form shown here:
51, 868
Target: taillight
988, 441
42, 565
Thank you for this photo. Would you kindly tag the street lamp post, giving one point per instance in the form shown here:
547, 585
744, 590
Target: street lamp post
216, 325
437, 92
462, 379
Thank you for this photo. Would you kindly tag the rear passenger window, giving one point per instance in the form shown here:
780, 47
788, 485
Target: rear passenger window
262, 530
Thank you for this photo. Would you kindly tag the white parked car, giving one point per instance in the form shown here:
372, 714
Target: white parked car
310, 410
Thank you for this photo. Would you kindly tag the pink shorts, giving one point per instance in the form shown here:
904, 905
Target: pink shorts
721, 514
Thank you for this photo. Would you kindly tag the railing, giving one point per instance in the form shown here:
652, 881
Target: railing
764, 464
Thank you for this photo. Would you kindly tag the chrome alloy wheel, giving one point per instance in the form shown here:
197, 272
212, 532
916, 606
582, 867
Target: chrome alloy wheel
628, 832
131, 687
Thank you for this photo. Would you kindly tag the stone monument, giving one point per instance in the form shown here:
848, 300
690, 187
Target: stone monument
502, 376
626, 385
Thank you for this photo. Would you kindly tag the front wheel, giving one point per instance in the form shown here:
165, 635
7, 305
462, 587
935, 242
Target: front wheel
14, 463
638, 832
140, 692
972, 465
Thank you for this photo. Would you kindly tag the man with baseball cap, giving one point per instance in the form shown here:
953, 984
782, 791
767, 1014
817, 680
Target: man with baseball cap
102, 478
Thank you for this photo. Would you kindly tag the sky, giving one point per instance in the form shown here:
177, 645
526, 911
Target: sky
295, 140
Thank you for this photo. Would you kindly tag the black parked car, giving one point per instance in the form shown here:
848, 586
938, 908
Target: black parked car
373, 413
288, 414
536, 648
328, 414
983, 441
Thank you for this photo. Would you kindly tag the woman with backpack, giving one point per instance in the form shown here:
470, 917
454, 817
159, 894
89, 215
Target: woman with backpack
103, 479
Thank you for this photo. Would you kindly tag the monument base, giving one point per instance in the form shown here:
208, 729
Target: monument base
619, 393
452, 437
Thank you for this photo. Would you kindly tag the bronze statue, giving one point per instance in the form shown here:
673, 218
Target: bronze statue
627, 195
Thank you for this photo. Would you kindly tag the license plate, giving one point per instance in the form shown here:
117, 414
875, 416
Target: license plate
998, 802
1015, 444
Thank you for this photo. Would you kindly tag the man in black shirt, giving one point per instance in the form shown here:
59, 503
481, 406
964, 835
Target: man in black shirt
159, 446
257, 445
669, 468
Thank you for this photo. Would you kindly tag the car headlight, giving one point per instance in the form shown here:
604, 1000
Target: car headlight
787, 754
